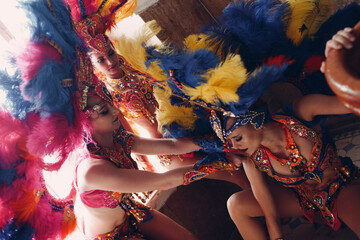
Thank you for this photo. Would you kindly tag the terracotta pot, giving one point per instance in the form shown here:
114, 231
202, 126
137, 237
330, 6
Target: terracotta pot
342, 71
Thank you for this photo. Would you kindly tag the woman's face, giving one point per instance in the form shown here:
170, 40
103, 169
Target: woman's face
246, 139
105, 118
107, 63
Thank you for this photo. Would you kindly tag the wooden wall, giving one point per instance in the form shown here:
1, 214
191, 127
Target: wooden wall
180, 18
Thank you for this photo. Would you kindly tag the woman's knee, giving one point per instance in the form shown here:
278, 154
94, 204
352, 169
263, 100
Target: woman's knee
238, 202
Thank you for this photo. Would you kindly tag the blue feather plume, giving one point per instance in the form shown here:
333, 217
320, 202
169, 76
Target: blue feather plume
188, 67
210, 158
52, 21
47, 93
13, 232
175, 130
346, 17
256, 85
254, 29
7, 176
15, 103
202, 123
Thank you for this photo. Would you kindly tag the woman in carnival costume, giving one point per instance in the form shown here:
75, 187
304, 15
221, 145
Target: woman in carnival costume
248, 35
314, 179
64, 100
251, 34
227, 70
276, 44
132, 83
131, 88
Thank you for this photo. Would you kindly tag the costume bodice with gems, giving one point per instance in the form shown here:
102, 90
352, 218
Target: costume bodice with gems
122, 159
121, 155
133, 93
322, 154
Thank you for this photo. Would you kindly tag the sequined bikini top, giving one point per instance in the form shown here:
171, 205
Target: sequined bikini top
122, 159
322, 153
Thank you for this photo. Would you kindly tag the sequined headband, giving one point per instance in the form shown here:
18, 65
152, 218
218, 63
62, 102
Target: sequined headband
255, 118
86, 79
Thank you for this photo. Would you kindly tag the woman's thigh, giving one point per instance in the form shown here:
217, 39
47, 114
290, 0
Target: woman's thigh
348, 206
286, 201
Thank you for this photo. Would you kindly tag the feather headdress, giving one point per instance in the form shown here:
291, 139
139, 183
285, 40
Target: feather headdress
47, 114
93, 19
255, 43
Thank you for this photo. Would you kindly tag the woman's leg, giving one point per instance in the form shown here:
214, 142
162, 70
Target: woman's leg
161, 227
244, 210
348, 206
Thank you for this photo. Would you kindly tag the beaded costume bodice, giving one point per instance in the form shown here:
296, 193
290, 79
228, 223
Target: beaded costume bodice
133, 93
121, 157
322, 154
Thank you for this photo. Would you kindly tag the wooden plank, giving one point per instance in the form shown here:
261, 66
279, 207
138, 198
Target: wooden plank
178, 19
215, 7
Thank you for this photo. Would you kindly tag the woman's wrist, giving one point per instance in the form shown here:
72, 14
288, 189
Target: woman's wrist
193, 175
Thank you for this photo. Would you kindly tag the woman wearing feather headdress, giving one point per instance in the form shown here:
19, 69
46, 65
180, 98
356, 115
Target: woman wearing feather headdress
311, 178
64, 101
206, 79
302, 159
132, 84
131, 89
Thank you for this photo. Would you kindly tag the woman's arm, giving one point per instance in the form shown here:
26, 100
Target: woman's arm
151, 146
150, 127
265, 199
309, 106
104, 175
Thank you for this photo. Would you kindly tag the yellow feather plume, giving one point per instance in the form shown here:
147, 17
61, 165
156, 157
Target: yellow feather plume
197, 41
124, 11
307, 17
167, 113
222, 82
134, 52
201, 41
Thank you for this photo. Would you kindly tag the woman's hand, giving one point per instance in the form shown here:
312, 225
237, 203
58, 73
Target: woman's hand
236, 158
342, 39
